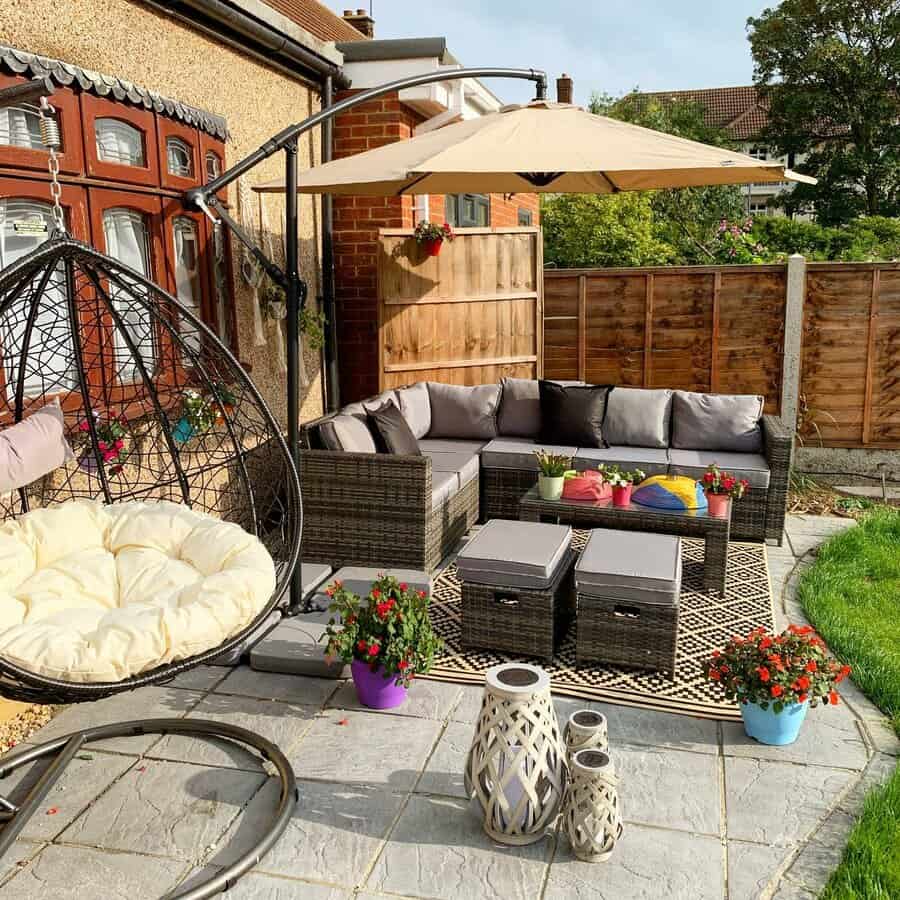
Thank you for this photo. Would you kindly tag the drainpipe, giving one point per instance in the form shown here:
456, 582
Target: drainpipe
332, 398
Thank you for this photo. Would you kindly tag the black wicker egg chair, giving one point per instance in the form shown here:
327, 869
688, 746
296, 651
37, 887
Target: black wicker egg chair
129, 361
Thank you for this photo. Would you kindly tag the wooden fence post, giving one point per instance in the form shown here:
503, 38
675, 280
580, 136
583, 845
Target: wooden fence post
793, 338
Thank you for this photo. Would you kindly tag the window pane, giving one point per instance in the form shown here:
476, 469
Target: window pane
187, 275
468, 210
179, 159
128, 240
525, 216
213, 166
24, 226
119, 142
20, 126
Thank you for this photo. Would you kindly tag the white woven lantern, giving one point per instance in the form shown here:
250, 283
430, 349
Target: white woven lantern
516, 767
591, 814
585, 730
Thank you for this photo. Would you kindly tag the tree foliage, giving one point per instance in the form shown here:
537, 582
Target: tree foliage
830, 72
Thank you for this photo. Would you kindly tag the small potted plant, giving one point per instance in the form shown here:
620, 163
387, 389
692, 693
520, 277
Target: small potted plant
112, 437
720, 488
223, 400
387, 638
621, 482
198, 415
432, 237
775, 679
552, 473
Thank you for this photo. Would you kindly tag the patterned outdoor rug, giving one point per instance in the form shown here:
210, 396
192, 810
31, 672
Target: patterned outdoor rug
705, 622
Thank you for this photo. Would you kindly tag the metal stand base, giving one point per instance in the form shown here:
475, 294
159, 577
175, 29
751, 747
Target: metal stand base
65, 748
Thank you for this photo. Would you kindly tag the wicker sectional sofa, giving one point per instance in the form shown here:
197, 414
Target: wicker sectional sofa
362, 507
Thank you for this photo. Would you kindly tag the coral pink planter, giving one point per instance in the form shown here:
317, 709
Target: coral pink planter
433, 248
621, 494
719, 505
373, 689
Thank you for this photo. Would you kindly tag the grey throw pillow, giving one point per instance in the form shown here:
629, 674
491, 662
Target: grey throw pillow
636, 417
520, 407
573, 414
392, 432
717, 422
416, 408
347, 433
463, 412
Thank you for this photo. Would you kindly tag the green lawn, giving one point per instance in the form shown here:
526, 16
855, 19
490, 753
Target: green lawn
852, 595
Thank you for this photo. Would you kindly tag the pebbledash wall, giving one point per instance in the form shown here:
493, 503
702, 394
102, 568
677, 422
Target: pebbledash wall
356, 224
131, 41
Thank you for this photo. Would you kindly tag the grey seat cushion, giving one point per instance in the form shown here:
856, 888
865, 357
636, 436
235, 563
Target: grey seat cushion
447, 445
636, 417
465, 465
416, 408
463, 412
727, 422
630, 565
443, 486
650, 460
751, 466
347, 433
514, 554
518, 453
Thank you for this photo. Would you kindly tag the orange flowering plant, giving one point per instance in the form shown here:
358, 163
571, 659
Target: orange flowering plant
777, 669
388, 629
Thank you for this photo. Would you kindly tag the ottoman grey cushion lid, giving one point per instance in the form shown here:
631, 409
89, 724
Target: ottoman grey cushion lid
515, 554
630, 565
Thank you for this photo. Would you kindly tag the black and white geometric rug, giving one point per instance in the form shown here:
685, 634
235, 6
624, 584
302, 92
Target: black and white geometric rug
705, 623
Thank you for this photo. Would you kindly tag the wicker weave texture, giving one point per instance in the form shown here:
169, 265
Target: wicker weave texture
591, 814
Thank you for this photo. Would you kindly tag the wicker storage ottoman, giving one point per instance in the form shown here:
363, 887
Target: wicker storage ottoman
517, 587
628, 585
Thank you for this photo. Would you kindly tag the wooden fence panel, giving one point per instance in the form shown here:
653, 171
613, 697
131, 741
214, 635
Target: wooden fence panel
471, 315
886, 361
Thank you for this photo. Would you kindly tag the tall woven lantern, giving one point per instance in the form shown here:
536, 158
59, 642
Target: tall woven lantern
516, 767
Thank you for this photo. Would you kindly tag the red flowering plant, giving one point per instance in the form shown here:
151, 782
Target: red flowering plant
781, 669
718, 481
112, 438
429, 231
389, 628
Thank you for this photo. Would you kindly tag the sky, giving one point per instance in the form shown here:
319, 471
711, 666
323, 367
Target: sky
612, 45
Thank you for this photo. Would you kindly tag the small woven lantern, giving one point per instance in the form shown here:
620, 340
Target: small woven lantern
585, 730
516, 767
591, 815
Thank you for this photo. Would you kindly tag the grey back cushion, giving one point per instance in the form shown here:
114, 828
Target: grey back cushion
463, 412
362, 408
520, 407
347, 433
717, 422
415, 405
636, 417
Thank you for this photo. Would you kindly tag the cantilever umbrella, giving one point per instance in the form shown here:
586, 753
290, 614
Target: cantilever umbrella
539, 146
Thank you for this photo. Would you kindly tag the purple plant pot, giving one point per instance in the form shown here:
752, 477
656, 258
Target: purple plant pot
373, 689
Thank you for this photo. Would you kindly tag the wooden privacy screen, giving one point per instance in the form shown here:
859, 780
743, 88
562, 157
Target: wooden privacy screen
471, 315
850, 377
698, 328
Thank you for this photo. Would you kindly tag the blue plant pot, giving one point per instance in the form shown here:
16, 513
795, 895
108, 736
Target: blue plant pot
183, 431
769, 727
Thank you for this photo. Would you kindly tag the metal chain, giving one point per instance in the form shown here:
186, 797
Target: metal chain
50, 139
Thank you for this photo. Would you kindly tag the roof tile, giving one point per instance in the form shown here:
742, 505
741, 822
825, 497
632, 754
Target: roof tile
317, 19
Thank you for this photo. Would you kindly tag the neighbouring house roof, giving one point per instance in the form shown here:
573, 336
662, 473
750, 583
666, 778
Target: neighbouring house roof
19, 62
397, 48
738, 110
317, 19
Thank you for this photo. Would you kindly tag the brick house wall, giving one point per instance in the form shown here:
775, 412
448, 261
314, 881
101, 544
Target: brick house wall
356, 223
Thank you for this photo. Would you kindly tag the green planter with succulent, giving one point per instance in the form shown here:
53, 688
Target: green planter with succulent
552, 471
223, 400
431, 237
386, 638
622, 482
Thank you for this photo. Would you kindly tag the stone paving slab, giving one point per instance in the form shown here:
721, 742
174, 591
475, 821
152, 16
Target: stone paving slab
645, 727
334, 835
164, 808
16, 857
438, 850
83, 873
426, 699
305, 690
267, 887
444, 772
200, 678
648, 864
367, 749
751, 868
779, 803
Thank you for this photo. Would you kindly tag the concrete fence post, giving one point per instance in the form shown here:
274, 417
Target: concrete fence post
793, 338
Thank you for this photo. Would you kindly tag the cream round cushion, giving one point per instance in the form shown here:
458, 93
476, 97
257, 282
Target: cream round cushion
92, 593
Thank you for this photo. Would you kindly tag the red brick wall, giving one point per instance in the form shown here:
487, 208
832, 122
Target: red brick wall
356, 224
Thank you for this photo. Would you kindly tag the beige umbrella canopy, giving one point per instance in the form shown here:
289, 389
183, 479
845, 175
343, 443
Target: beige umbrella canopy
540, 146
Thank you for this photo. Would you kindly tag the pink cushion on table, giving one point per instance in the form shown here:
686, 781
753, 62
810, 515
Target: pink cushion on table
33, 447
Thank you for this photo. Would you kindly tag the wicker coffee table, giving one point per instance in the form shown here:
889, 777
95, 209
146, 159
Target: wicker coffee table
602, 514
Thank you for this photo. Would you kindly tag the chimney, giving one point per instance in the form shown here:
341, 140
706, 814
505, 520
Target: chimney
361, 21
563, 89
